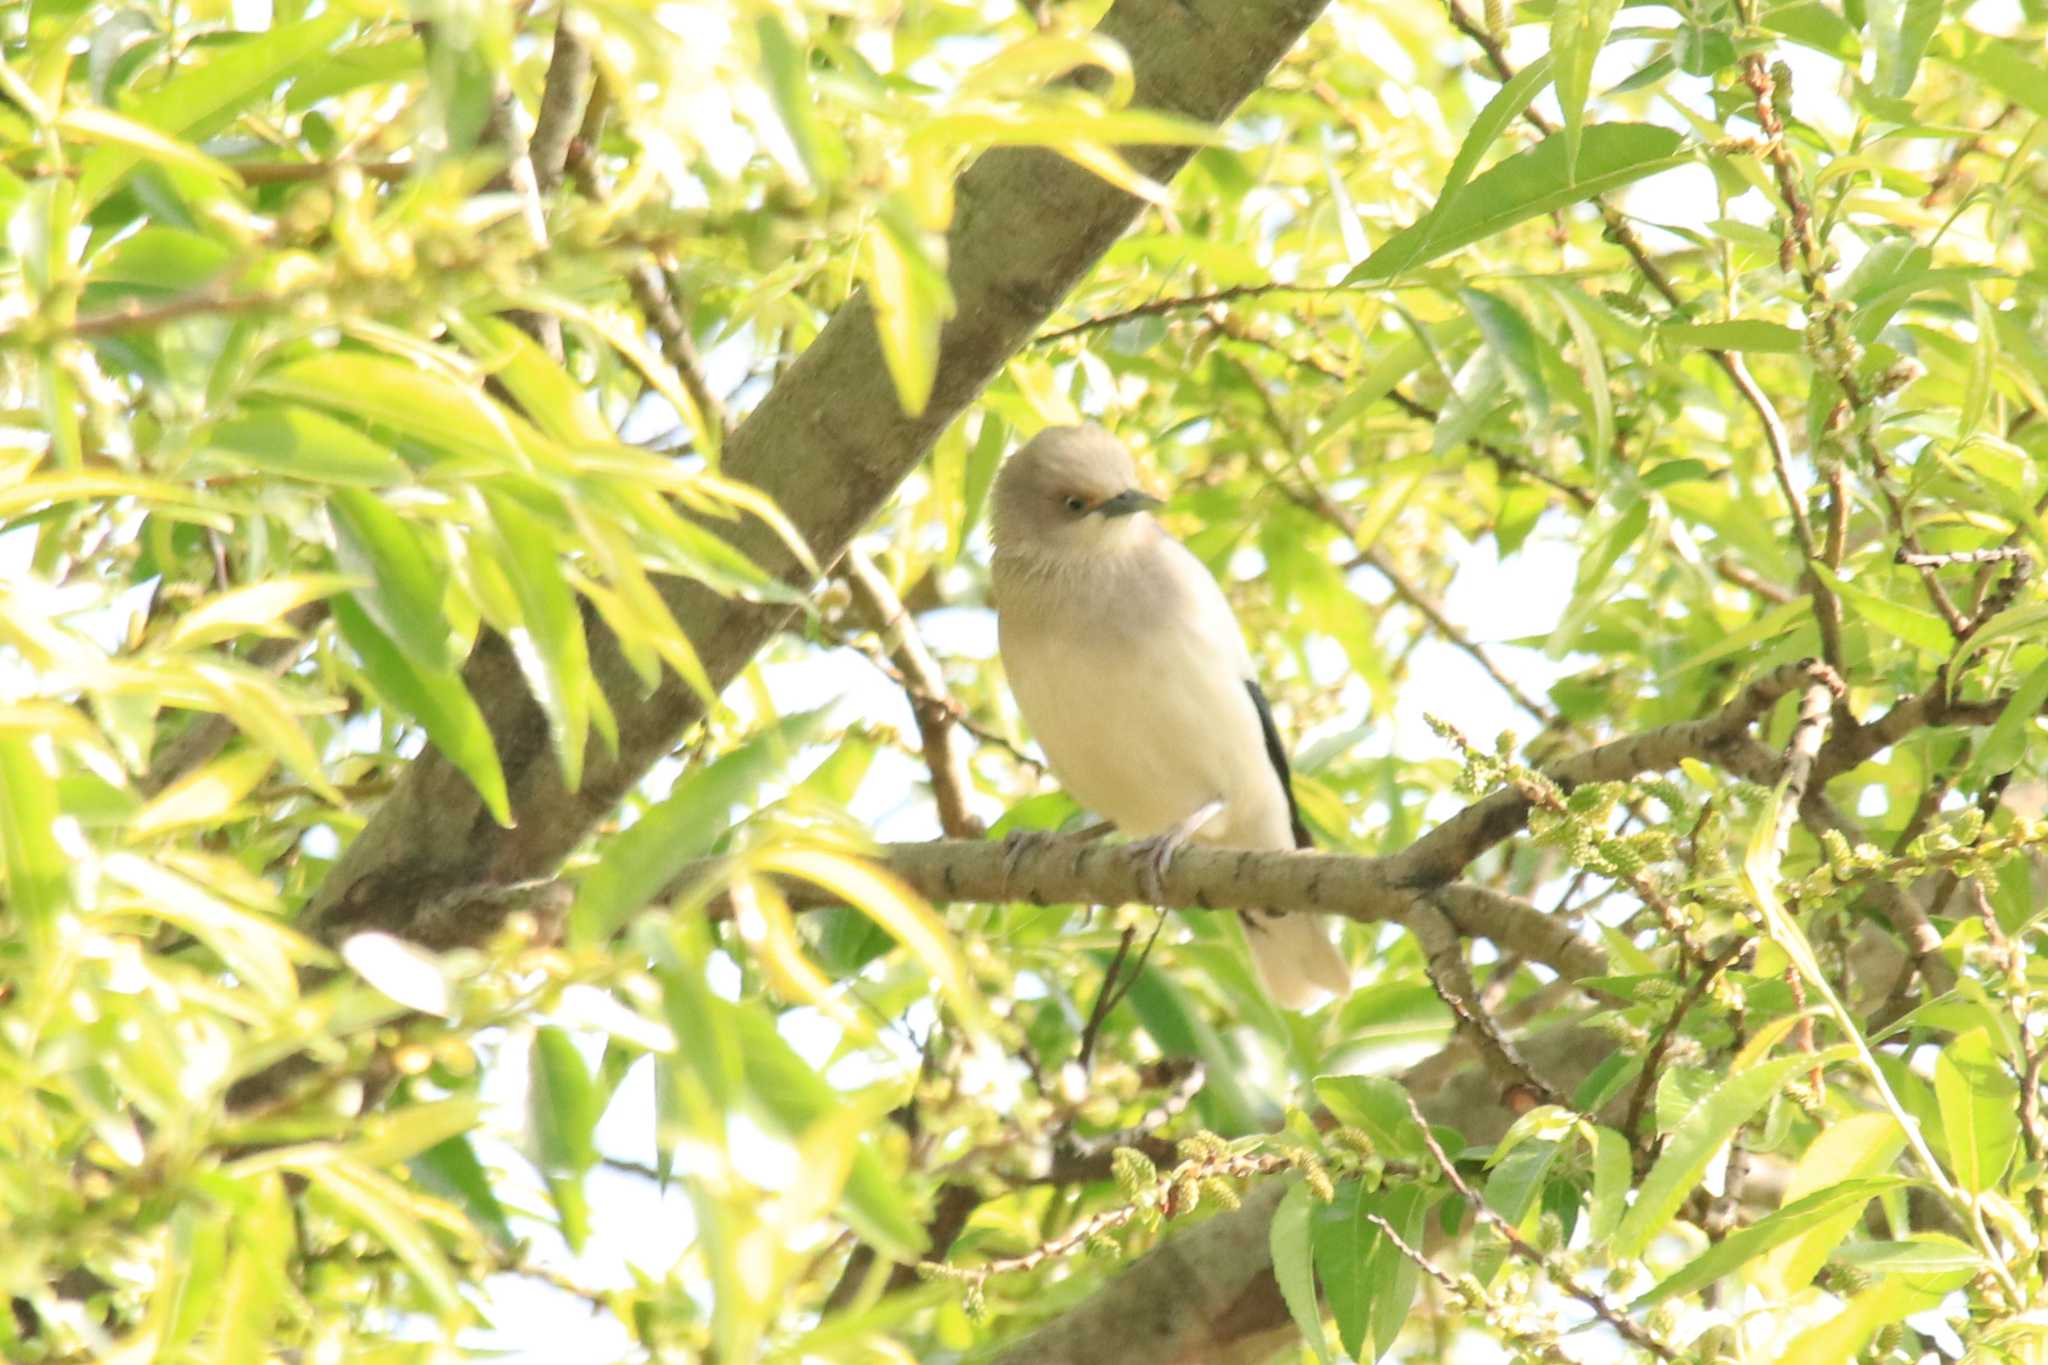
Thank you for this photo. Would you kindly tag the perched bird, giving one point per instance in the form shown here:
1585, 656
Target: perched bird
1127, 662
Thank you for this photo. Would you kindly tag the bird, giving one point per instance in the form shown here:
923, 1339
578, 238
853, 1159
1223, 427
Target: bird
1128, 665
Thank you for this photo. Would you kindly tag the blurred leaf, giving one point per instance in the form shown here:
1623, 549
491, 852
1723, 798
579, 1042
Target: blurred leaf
1737, 334
1692, 1145
305, 444
905, 273
1578, 30
259, 951
1844, 1336
548, 638
38, 873
1979, 1110
373, 543
564, 1109
1379, 1107
1294, 1267
1523, 186
1823, 1208
646, 857
403, 971
204, 796
197, 101
438, 701
257, 609
451, 1165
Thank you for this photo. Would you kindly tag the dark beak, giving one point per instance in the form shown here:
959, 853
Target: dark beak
1129, 501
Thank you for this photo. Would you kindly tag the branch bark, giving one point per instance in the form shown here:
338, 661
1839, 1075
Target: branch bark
1028, 225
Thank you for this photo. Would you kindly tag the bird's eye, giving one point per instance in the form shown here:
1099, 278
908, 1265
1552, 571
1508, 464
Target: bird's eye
1076, 503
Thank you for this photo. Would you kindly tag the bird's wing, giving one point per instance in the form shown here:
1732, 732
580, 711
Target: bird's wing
1276, 751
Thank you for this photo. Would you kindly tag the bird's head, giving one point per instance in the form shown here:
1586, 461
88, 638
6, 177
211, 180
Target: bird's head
1070, 493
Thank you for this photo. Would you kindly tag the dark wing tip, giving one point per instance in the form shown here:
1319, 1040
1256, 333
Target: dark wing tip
1277, 753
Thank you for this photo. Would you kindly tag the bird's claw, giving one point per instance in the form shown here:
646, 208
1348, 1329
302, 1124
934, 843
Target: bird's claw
1018, 845
1156, 854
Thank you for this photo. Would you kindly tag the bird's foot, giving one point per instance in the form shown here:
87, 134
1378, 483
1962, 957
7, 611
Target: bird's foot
1020, 844
1156, 854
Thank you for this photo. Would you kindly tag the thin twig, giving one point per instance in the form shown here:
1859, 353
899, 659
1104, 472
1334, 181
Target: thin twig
1603, 1307
924, 685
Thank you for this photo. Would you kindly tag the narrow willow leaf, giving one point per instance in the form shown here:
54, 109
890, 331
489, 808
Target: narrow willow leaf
205, 796
1705, 1130
1294, 1267
1737, 334
1525, 185
1823, 1208
406, 1131
564, 1107
205, 94
548, 639
373, 543
911, 299
891, 904
1979, 1110
2018, 724
257, 609
282, 438
389, 1212
38, 872
451, 1169
438, 701
1921, 629
1844, 1336
1578, 29
645, 857
258, 950
89, 123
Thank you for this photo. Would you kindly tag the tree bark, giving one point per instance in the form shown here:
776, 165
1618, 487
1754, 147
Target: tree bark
830, 444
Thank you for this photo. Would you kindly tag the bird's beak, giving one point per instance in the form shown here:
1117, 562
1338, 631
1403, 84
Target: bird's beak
1129, 501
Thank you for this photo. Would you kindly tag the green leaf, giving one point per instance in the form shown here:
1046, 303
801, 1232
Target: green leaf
1737, 334
1377, 1106
1598, 437
389, 1213
1612, 1174
1979, 1103
1844, 1336
1508, 332
1403, 1207
446, 418
1691, 1147
563, 1108
2008, 740
1862, 1146
438, 701
1921, 629
1578, 29
451, 1169
257, 949
1523, 186
1294, 1266
1739, 1248
1902, 29
404, 599
1929, 1253
38, 873
548, 639
1771, 625
304, 444
905, 273
1344, 1242
209, 91
2013, 68
644, 858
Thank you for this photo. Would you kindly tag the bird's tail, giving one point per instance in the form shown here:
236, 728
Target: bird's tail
1296, 961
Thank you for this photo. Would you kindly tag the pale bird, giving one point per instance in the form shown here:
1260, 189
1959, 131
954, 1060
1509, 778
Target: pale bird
1128, 664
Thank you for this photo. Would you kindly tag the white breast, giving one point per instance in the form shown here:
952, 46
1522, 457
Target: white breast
1135, 686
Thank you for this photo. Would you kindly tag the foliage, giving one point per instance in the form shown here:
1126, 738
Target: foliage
344, 342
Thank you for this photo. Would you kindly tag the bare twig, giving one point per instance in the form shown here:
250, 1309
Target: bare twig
924, 684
